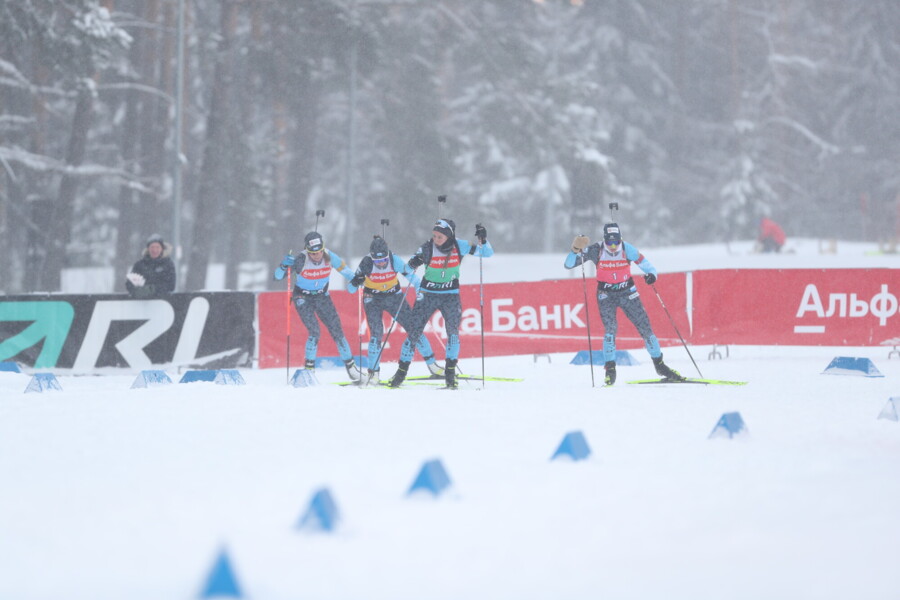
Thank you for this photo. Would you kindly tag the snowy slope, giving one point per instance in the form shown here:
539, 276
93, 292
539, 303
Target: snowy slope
112, 493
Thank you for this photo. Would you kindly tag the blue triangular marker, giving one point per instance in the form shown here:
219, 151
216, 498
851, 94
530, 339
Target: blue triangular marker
889, 411
573, 445
850, 365
148, 379
304, 378
229, 377
729, 425
322, 514
583, 357
432, 477
221, 582
10, 366
42, 382
198, 375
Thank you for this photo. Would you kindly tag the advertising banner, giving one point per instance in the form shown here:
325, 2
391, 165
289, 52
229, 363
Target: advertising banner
798, 307
86, 332
519, 318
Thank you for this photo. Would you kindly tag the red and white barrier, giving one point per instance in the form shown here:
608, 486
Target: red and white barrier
834, 307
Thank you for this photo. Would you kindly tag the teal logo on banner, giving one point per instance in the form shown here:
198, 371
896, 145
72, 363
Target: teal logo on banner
50, 322
95, 331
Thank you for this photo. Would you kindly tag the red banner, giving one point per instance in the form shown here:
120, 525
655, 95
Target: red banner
519, 318
835, 307
798, 307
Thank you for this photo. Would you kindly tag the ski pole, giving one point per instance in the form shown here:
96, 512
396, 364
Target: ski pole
587, 316
319, 213
481, 304
675, 327
359, 328
287, 361
441, 200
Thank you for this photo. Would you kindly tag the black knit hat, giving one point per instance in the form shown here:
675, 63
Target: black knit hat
378, 248
446, 226
612, 234
314, 242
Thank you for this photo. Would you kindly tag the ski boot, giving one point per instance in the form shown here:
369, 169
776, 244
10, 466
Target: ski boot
352, 370
610, 368
310, 365
664, 371
434, 368
371, 377
400, 375
450, 374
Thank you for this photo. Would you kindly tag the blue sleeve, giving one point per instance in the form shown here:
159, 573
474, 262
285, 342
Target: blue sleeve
407, 271
279, 273
484, 251
632, 254
590, 254
338, 264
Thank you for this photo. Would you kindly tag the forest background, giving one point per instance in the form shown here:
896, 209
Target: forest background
697, 117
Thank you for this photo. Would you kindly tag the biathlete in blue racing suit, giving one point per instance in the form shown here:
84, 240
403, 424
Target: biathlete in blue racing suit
378, 274
312, 269
615, 290
442, 257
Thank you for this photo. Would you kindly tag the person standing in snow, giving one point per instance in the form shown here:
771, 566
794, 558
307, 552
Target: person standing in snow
771, 236
377, 273
312, 268
442, 256
154, 274
615, 290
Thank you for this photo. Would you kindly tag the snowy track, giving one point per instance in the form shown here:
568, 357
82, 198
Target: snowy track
117, 493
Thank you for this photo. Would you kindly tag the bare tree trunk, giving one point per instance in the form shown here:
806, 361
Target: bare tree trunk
127, 222
36, 244
63, 211
156, 68
302, 154
127, 233
211, 188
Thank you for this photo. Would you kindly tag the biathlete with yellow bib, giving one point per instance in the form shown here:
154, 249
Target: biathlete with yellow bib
377, 274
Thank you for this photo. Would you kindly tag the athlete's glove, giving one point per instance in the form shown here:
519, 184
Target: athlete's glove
650, 278
481, 233
580, 243
287, 261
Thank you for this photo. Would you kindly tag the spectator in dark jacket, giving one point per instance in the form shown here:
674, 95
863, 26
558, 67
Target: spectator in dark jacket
154, 274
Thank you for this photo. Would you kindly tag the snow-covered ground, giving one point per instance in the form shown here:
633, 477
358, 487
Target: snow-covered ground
112, 493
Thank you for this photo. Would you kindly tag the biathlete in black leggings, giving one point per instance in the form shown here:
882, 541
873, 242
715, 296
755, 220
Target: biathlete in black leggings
442, 257
378, 275
615, 290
